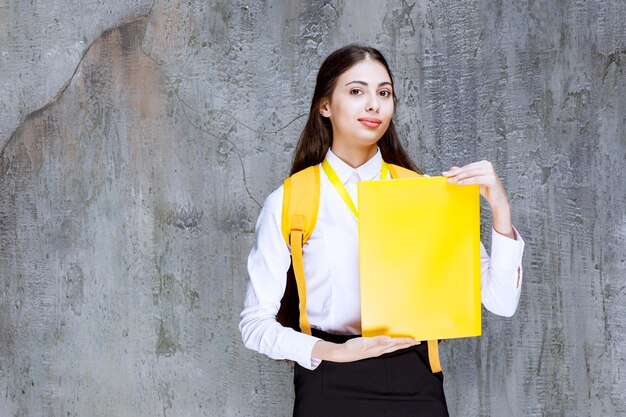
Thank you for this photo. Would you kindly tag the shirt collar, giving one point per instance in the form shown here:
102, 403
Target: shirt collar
368, 171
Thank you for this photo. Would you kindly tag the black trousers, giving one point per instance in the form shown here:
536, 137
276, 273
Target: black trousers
396, 384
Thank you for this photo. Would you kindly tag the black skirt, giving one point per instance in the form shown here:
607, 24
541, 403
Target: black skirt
398, 384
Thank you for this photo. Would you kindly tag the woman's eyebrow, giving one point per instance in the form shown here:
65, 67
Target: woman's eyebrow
366, 84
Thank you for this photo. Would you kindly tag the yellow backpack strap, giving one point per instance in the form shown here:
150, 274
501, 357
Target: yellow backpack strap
301, 198
433, 356
433, 345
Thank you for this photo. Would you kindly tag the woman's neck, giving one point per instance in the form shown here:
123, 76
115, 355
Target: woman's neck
353, 156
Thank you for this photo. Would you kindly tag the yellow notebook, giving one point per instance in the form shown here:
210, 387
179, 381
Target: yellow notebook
419, 258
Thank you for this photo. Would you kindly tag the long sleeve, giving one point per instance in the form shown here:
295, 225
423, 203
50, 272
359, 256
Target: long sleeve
501, 273
268, 263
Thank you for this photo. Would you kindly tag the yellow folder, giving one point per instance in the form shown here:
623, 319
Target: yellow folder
419, 258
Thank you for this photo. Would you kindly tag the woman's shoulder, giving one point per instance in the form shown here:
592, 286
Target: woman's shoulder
274, 201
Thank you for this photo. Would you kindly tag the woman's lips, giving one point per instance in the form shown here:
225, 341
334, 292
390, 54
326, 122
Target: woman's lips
370, 121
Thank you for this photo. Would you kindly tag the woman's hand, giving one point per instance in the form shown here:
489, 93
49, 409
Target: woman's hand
360, 348
483, 174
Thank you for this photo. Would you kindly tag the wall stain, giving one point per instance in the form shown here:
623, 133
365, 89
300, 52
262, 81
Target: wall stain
166, 345
613, 59
181, 218
546, 172
168, 297
132, 23
542, 108
402, 18
172, 292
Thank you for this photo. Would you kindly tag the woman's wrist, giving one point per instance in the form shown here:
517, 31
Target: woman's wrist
502, 220
326, 351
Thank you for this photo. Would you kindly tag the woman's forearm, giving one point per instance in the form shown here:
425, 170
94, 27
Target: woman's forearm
502, 224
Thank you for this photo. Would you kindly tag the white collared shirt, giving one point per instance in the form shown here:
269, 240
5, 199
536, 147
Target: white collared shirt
331, 268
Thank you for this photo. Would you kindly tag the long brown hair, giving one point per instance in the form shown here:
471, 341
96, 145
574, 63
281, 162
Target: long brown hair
317, 136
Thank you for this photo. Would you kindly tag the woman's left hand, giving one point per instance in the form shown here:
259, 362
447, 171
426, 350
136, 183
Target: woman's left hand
483, 174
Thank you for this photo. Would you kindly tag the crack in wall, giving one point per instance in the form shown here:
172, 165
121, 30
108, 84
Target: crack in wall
271, 132
69, 81
211, 134
214, 136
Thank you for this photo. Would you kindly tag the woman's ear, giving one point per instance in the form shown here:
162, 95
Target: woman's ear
324, 108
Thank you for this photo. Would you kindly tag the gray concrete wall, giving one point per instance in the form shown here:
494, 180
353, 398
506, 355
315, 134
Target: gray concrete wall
138, 141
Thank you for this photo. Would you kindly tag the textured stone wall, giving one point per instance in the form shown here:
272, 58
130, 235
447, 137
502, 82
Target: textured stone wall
138, 140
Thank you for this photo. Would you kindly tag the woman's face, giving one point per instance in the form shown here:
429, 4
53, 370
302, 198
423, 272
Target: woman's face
361, 105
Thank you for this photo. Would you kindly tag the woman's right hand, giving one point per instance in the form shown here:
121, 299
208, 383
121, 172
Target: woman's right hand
360, 348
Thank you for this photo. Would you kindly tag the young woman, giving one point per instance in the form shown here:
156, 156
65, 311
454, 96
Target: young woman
337, 372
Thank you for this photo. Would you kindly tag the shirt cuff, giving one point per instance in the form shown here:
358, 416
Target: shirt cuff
506, 253
304, 349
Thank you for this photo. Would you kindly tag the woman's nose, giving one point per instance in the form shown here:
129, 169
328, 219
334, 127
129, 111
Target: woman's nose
372, 104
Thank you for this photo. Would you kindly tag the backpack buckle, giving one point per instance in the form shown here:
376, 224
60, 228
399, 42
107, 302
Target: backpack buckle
297, 223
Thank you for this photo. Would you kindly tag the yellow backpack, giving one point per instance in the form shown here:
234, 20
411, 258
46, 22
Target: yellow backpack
301, 197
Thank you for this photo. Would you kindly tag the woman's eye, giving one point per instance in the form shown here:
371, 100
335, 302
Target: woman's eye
385, 93
355, 91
